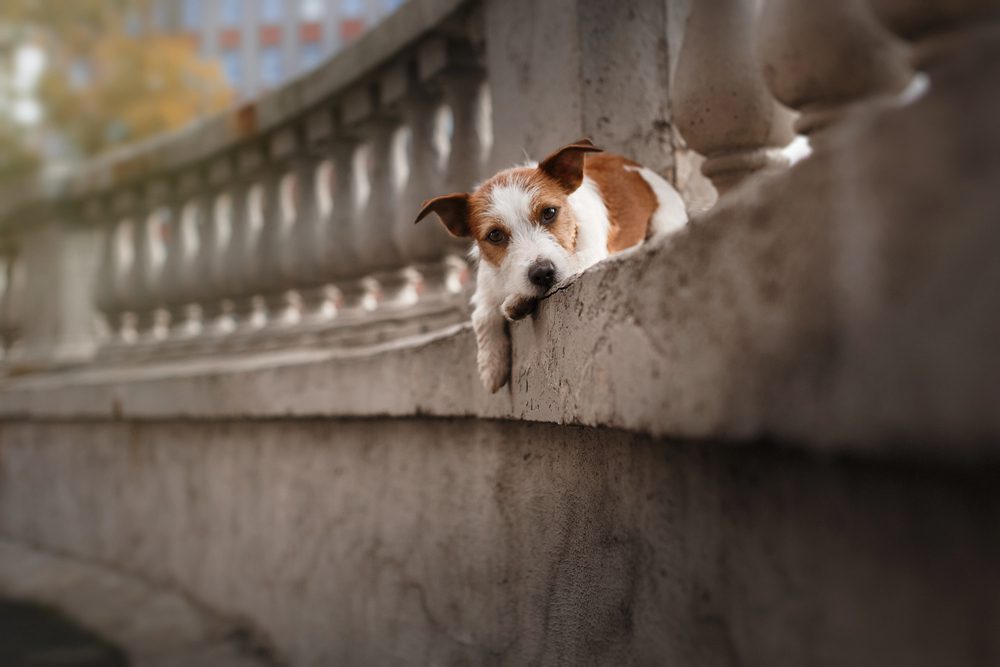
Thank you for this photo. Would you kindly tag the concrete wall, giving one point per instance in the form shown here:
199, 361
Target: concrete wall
471, 542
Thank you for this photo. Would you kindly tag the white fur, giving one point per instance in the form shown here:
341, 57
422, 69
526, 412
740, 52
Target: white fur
592, 215
670, 214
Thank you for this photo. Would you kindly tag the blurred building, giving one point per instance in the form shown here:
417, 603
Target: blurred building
262, 43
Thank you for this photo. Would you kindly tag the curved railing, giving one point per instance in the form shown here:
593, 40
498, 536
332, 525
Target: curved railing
291, 219
292, 215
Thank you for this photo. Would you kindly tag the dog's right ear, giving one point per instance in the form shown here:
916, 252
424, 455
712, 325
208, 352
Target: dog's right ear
452, 209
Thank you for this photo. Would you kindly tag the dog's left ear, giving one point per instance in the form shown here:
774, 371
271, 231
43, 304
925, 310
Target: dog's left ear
566, 164
453, 211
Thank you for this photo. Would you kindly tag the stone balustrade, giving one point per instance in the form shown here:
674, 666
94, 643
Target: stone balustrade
289, 221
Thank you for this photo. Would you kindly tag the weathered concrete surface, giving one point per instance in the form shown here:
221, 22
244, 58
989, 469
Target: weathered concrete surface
369, 542
564, 69
155, 627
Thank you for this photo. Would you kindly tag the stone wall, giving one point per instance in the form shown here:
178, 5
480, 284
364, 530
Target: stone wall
371, 542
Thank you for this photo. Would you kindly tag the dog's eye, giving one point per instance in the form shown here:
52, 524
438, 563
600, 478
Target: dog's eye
549, 214
496, 236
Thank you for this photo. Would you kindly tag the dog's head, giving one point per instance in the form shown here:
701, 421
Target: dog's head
524, 229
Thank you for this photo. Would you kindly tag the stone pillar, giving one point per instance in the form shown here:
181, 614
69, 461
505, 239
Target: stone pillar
49, 296
157, 233
242, 256
183, 273
118, 297
427, 247
303, 256
11, 294
343, 262
215, 239
276, 250
564, 69
721, 104
373, 226
820, 58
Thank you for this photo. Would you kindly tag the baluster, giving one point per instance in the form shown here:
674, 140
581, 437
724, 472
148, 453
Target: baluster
721, 104
303, 256
462, 90
106, 294
215, 239
10, 286
343, 260
248, 220
436, 253
274, 276
181, 275
427, 245
820, 58
468, 146
155, 233
120, 300
373, 225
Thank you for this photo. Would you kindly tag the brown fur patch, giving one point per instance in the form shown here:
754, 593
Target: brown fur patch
630, 200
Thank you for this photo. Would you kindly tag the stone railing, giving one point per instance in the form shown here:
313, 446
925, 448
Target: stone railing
290, 220
287, 221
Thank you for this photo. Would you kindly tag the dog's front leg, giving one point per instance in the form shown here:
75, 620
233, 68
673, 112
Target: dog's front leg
493, 341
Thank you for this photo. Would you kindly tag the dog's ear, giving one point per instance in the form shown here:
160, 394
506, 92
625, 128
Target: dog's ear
452, 209
566, 164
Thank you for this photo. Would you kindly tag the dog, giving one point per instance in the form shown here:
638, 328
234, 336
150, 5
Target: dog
538, 224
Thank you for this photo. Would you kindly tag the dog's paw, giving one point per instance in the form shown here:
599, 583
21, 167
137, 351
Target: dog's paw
493, 377
493, 354
494, 366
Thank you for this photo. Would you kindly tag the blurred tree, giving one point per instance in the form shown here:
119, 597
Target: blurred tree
110, 76
16, 158
129, 89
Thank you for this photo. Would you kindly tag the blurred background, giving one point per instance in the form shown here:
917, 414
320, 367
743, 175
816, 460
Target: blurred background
77, 78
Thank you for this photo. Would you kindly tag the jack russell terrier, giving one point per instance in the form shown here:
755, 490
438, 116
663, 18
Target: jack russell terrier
537, 225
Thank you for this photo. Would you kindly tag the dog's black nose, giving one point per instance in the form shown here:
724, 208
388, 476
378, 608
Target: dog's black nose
542, 273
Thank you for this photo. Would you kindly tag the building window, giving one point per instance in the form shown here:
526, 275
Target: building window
270, 66
160, 16
231, 12
232, 65
270, 11
352, 8
133, 25
310, 55
191, 14
311, 10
